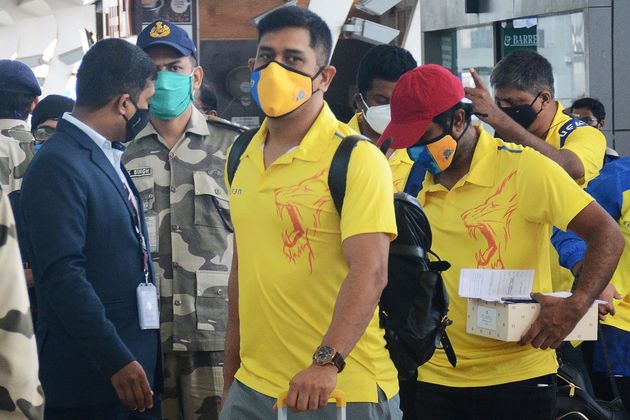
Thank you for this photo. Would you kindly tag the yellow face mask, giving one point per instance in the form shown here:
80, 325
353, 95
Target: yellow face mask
279, 90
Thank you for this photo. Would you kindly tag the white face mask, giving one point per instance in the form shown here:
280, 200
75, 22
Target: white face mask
377, 116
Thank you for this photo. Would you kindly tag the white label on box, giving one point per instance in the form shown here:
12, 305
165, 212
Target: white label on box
487, 318
493, 285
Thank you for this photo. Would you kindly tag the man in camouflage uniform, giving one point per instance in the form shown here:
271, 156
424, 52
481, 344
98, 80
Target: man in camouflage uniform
177, 165
18, 96
21, 395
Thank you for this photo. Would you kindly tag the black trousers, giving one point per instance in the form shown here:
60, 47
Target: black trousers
114, 411
532, 399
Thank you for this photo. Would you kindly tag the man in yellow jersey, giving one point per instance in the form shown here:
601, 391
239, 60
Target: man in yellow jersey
378, 72
490, 205
611, 189
306, 280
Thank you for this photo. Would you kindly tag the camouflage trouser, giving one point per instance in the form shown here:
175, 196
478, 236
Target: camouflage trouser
193, 385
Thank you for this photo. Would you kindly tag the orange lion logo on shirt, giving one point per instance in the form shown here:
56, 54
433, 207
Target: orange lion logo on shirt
491, 220
301, 204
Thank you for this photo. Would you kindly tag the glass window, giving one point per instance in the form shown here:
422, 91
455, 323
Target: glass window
475, 49
561, 41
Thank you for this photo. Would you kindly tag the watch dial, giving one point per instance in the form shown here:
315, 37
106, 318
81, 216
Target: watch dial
325, 353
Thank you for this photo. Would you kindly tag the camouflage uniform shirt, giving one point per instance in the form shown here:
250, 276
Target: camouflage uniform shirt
21, 395
15, 153
186, 208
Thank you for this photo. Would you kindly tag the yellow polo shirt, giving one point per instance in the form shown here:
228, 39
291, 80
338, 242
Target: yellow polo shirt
354, 122
290, 259
612, 190
589, 144
496, 217
621, 277
400, 164
399, 161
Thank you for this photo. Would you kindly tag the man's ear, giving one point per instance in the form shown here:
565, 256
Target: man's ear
460, 119
250, 63
326, 77
459, 122
33, 105
601, 124
122, 104
547, 98
197, 77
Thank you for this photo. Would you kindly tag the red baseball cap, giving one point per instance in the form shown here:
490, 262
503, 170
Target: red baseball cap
419, 96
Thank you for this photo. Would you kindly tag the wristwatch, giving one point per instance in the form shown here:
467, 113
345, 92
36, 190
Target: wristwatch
326, 355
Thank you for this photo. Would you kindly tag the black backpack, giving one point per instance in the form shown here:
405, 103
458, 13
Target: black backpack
573, 402
414, 304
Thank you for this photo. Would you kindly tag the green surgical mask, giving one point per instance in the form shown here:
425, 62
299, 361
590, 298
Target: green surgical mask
173, 95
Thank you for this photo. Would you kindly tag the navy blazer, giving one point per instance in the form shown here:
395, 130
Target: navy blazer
87, 263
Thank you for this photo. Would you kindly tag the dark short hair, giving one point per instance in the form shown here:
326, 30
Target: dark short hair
14, 105
386, 62
445, 119
207, 96
594, 105
524, 70
298, 17
110, 68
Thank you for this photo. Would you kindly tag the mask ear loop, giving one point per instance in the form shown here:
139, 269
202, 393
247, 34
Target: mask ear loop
364, 103
135, 105
450, 133
321, 69
534, 101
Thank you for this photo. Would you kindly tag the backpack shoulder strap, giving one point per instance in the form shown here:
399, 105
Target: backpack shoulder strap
238, 148
415, 180
338, 173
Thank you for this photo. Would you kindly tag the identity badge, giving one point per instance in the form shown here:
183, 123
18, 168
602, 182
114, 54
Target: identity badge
148, 311
153, 226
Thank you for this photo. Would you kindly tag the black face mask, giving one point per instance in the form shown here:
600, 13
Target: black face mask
524, 115
136, 123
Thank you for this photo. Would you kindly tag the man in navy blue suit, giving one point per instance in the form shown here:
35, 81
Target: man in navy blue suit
97, 337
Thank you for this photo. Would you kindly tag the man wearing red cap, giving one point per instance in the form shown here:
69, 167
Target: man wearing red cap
491, 205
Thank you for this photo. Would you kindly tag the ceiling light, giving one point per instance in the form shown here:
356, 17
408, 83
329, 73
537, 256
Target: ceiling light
369, 31
258, 18
376, 7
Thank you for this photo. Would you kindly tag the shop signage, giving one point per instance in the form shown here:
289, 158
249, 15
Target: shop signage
517, 39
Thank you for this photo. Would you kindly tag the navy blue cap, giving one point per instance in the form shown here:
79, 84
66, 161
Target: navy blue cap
18, 77
50, 108
163, 32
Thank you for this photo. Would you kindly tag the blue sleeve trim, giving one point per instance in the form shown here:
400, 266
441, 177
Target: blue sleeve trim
508, 149
568, 128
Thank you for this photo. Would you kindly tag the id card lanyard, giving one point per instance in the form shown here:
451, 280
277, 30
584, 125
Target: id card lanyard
146, 293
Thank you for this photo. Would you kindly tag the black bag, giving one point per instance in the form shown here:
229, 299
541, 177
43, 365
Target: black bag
574, 402
414, 304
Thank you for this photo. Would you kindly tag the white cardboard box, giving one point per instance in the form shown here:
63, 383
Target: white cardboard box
510, 321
